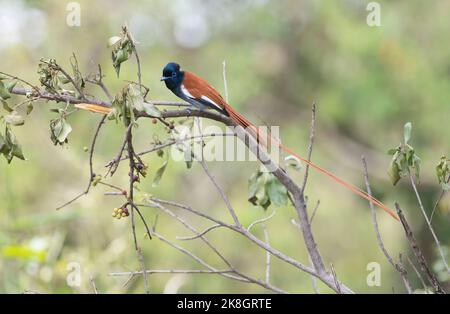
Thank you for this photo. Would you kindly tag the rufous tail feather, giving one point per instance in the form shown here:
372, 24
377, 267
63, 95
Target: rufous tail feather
256, 133
94, 108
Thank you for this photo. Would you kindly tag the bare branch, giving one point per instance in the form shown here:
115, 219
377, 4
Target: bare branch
297, 195
91, 166
98, 80
314, 211
172, 271
266, 238
398, 266
417, 273
311, 143
201, 233
417, 252
336, 282
326, 278
261, 220
91, 280
225, 85
438, 244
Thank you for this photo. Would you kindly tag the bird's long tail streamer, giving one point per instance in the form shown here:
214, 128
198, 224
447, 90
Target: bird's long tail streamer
256, 133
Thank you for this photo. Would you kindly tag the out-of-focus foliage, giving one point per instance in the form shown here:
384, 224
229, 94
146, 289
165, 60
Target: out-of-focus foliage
281, 56
404, 160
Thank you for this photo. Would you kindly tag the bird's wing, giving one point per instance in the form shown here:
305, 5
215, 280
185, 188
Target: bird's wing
197, 88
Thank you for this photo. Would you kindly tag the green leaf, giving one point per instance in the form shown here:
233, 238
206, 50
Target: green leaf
134, 96
6, 106
416, 166
253, 187
17, 151
48, 75
4, 93
96, 180
63, 79
394, 172
159, 173
14, 119
3, 145
445, 186
407, 132
77, 76
265, 189
443, 172
119, 56
10, 85
9, 146
151, 110
29, 108
65, 131
392, 151
113, 40
293, 162
277, 192
188, 158
59, 131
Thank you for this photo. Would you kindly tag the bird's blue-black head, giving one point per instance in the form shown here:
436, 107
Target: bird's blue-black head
172, 76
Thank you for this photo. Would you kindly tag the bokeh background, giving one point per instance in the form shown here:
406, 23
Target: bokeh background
281, 56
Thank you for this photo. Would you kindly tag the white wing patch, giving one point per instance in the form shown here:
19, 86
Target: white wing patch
205, 98
186, 92
211, 102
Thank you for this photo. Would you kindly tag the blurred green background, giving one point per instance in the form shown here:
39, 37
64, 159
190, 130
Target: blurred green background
281, 56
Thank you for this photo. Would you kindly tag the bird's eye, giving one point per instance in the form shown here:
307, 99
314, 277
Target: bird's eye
174, 74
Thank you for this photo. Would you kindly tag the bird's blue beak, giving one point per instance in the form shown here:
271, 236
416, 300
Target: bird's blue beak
163, 78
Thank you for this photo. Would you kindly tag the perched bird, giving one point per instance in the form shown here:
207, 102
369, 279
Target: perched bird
200, 94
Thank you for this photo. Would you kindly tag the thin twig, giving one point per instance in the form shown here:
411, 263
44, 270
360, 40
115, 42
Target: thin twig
441, 195
418, 253
136, 55
220, 255
250, 226
336, 282
398, 266
99, 82
436, 240
266, 239
34, 87
326, 278
313, 214
91, 280
417, 273
114, 164
91, 166
132, 167
314, 279
172, 142
57, 67
221, 192
201, 233
310, 145
225, 85
171, 271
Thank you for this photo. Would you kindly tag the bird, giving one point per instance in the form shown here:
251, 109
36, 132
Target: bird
203, 96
